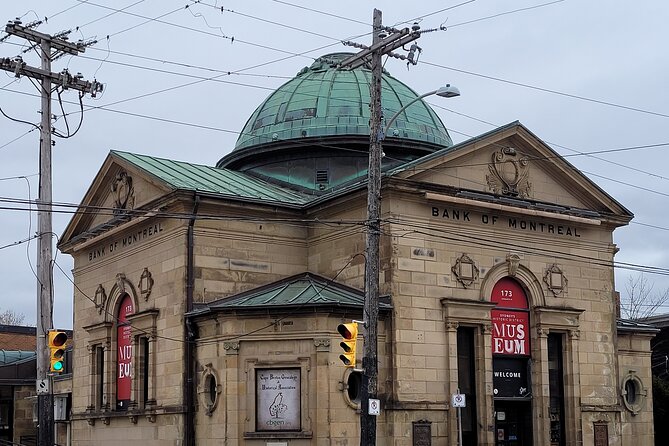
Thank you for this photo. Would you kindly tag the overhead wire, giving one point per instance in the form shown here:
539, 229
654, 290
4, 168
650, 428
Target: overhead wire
552, 2
206, 127
554, 144
289, 312
546, 90
465, 238
504, 13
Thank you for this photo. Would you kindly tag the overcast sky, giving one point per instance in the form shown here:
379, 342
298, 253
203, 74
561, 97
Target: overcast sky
584, 76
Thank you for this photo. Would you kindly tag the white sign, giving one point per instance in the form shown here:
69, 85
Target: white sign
278, 399
42, 386
374, 407
458, 400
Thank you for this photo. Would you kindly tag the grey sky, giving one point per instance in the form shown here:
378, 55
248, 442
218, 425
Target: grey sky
610, 51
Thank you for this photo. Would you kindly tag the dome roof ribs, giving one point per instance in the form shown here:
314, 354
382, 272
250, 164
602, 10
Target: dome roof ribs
319, 122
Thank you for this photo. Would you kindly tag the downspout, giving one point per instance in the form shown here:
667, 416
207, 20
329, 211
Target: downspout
190, 330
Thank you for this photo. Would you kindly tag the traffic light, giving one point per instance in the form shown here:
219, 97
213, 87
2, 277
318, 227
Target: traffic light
57, 341
350, 334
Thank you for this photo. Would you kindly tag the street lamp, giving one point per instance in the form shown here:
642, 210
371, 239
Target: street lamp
447, 91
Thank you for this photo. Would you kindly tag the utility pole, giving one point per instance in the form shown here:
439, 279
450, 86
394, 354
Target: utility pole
51, 47
384, 40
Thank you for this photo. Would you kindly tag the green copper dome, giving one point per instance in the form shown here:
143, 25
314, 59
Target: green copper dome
312, 134
323, 101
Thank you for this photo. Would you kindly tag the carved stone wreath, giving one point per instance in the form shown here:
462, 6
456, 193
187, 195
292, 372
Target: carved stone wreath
124, 193
509, 173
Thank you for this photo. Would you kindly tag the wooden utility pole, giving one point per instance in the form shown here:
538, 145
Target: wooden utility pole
51, 48
384, 40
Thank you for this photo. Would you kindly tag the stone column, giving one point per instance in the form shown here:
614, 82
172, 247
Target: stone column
572, 390
540, 387
109, 374
486, 403
151, 401
452, 369
321, 429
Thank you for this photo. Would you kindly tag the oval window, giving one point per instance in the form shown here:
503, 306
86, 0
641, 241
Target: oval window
633, 393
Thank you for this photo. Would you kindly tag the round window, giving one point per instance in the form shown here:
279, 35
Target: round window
633, 393
209, 390
353, 387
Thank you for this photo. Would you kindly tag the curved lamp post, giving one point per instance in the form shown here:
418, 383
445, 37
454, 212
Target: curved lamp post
447, 91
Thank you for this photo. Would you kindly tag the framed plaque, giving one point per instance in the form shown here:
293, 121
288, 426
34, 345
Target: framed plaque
422, 433
278, 400
601, 434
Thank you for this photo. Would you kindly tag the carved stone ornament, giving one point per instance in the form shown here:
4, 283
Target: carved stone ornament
120, 283
322, 344
514, 262
465, 270
231, 347
556, 280
100, 298
123, 192
145, 284
509, 173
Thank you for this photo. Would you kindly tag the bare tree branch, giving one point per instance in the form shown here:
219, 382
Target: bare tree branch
10, 317
640, 301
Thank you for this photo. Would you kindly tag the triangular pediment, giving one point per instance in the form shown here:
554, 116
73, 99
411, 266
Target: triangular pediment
512, 164
119, 188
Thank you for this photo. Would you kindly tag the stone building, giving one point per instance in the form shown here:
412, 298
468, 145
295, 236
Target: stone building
207, 298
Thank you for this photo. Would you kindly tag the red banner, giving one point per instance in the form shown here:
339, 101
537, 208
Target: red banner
124, 357
510, 333
510, 329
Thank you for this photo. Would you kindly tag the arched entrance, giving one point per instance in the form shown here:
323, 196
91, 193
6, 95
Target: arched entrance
512, 390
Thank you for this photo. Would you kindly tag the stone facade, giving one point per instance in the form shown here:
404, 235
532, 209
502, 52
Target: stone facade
445, 246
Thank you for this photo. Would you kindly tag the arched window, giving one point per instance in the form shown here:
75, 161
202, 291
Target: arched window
124, 353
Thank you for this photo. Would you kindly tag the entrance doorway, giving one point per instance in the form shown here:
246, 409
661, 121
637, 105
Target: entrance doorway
513, 423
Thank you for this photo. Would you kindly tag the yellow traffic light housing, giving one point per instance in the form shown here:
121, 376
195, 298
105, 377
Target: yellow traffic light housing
350, 334
57, 340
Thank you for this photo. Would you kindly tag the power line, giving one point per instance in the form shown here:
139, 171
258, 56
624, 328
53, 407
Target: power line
421, 17
505, 13
17, 138
99, 210
588, 154
546, 90
289, 313
497, 243
348, 19
218, 129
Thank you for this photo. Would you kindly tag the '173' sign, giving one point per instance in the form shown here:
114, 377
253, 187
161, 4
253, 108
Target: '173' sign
510, 319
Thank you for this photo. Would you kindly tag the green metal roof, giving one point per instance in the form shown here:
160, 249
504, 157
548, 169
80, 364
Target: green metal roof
187, 176
323, 100
302, 290
12, 356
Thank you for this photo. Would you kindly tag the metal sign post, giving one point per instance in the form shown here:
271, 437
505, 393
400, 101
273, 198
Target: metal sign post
458, 400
